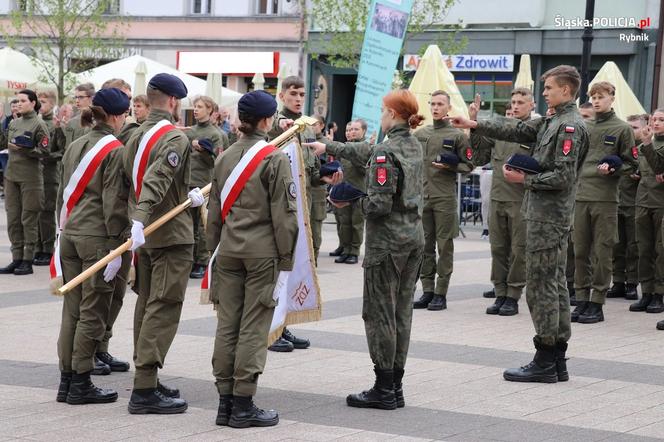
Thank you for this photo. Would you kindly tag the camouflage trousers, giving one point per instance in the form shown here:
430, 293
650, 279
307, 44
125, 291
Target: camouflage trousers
389, 286
546, 287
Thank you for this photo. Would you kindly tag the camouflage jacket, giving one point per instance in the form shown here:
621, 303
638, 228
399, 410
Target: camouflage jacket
355, 164
561, 145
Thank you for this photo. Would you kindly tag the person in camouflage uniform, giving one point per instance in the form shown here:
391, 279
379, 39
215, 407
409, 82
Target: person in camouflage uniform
562, 143
394, 245
507, 232
626, 251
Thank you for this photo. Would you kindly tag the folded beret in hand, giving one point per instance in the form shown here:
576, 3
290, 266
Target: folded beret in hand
524, 163
23, 141
448, 158
206, 144
330, 168
345, 192
614, 161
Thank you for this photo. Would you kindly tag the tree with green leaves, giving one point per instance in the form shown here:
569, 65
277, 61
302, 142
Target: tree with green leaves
344, 23
66, 36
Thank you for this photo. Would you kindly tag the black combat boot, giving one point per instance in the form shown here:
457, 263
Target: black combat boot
592, 314
616, 291
114, 363
439, 302
245, 414
337, 252
509, 308
24, 268
572, 293
642, 304
9, 269
561, 361
341, 258
581, 307
489, 293
152, 401
42, 259
424, 300
63, 388
282, 346
167, 391
541, 369
380, 396
298, 343
101, 368
83, 391
225, 409
656, 305
398, 387
197, 272
660, 325
495, 307
630, 292
352, 259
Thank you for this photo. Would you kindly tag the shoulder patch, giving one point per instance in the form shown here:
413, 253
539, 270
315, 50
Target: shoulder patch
44, 142
173, 158
381, 176
635, 152
567, 147
569, 129
469, 153
292, 190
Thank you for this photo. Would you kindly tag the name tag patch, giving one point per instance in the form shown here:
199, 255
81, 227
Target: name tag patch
448, 143
609, 140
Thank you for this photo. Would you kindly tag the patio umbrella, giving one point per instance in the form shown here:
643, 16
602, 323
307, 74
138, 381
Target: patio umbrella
140, 83
524, 77
213, 87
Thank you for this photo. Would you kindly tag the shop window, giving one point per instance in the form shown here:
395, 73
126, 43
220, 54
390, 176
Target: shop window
201, 7
495, 89
267, 7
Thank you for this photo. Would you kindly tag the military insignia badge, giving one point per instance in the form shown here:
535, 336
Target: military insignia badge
292, 191
567, 147
569, 129
635, 152
173, 159
609, 140
448, 143
469, 153
44, 142
381, 159
381, 176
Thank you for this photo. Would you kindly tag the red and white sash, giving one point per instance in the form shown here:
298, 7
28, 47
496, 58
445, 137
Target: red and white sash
78, 181
232, 189
145, 146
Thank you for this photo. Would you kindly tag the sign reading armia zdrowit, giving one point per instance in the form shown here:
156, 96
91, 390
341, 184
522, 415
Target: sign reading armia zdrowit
467, 62
383, 38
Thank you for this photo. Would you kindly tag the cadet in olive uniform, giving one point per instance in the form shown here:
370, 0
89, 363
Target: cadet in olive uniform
50, 165
596, 210
96, 224
626, 251
256, 242
164, 262
441, 216
73, 129
202, 163
562, 143
351, 221
649, 213
507, 232
28, 141
339, 250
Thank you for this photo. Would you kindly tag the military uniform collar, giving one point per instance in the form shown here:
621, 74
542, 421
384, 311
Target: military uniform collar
157, 115
103, 128
29, 115
565, 107
47, 116
437, 124
290, 114
256, 136
399, 129
603, 116
203, 124
659, 137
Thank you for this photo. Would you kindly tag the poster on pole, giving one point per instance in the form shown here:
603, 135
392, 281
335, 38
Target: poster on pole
383, 38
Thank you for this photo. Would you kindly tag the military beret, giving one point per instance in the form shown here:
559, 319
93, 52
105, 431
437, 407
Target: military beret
328, 169
524, 163
169, 84
23, 141
206, 144
112, 100
614, 161
448, 158
345, 192
257, 103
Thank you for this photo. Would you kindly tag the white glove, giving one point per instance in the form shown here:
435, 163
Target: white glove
137, 237
112, 268
197, 198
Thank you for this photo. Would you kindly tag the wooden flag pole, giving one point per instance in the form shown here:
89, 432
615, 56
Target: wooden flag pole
298, 126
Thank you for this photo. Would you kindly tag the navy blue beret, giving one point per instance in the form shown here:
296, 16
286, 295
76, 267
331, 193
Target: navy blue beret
524, 163
169, 84
330, 168
448, 158
345, 192
614, 161
23, 141
112, 100
206, 144
257, 103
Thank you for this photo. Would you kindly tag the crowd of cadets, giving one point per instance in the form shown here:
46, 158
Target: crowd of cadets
610, 219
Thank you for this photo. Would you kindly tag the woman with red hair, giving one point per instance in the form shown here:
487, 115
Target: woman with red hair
394, 244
